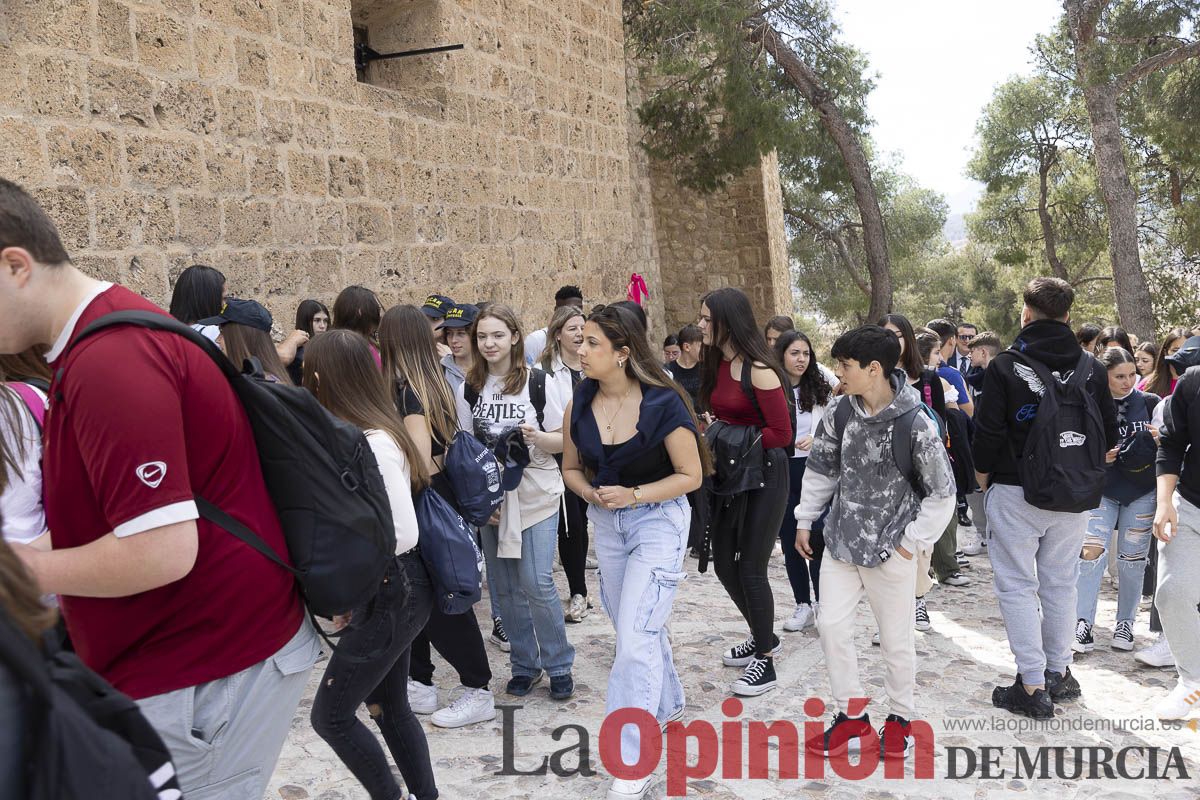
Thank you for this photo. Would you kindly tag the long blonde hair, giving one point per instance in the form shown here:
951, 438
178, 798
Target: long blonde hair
553, 349
408, 352
518, 373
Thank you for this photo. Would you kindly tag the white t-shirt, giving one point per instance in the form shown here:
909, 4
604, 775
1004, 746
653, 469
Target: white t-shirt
496, 412
21, 502
535, 343
398, 482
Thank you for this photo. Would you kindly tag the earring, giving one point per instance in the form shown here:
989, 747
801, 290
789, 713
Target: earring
621, 364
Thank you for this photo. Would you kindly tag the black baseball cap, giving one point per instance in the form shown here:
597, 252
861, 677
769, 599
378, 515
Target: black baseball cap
460, 315
243, 312
1186, 356
436, 305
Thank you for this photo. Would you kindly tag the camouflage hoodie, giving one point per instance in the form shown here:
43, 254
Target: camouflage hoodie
874, 508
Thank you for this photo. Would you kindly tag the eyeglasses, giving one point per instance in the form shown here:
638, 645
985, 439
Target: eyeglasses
965, 337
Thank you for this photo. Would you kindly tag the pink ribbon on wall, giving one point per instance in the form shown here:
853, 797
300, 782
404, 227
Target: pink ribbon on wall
637, 289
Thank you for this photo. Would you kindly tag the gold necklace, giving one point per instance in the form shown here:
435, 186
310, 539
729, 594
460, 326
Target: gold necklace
613, 415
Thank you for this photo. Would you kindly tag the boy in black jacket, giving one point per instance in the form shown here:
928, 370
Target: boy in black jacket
1034, 552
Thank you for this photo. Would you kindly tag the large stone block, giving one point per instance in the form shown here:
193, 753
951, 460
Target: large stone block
120, 95
84, 156
216, 55
164, 162
55, 85
21, 157
163, 43
226, 168
199, 220
188, 106
253, 63
347, 176
127, 220
68, 208
307, 173
247, 222
114, 30
62, 24
252, 16
239, 113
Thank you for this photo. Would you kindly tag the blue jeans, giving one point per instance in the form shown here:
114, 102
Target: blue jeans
528, 599
1133, 522
641, 551
370, 665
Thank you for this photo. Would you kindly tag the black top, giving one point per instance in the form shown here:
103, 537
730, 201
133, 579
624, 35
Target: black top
689, 379
295, 369
654, 466
409, 405
1177, 450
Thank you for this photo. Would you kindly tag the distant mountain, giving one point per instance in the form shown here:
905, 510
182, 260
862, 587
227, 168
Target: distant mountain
955, 229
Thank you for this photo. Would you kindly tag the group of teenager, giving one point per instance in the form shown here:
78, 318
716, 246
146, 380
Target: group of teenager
725, 442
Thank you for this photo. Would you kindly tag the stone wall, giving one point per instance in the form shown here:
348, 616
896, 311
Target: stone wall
161, 133
730, 238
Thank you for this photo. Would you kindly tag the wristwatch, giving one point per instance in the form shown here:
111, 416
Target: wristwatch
637, 495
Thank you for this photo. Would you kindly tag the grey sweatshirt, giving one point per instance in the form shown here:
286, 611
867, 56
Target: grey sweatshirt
874, 508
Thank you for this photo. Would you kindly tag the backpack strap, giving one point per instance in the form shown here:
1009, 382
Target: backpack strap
537, 395
902, 430
841, 416
33, 400
789, 395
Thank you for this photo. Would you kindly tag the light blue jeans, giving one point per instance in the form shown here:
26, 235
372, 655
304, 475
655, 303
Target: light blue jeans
641, 552
1133, 522
529, 605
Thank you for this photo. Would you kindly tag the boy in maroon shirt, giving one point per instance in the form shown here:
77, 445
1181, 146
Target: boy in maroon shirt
209, 636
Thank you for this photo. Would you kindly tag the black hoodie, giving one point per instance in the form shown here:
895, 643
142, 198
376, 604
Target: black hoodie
1009, 403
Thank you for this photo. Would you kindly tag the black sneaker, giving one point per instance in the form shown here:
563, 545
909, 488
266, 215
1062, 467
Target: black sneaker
742, 654
562, 686
499, 637
963, 519
843, 735
1014, 698
1062, 686
521, 685
759, 678
895, 740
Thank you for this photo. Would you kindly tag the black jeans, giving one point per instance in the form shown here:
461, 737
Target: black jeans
800, 569
370, 666
741, 553
458, 639
573, 542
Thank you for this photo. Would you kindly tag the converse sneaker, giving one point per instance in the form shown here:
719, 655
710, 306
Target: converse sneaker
422, 699
499, 637
622, 789
1083, 637
577, 610
1123, 635
921, 621
759, 678
1156, 655
1015, 699
962, 559
956, 579
1062, 686
674, 716
472, 706
1180, 703
895, 737
804, 617
843, 735
742, 654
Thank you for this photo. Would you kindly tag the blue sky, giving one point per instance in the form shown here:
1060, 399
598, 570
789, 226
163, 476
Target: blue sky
938, 62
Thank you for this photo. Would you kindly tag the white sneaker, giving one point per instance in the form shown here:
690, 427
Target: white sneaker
969, 540
803, 617
1156, 655
472, 706
577, 610
622, 789
423, 699
1181, 703
592, 563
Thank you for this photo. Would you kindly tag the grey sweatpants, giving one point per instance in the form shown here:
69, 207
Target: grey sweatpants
1179, 591
1035, 562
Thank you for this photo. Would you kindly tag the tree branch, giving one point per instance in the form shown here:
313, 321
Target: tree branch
1155, 63
834, 235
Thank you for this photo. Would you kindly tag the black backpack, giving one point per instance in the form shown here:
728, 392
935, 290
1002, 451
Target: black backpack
537, 394
902, 429
1062, 467
320, 472
83, 739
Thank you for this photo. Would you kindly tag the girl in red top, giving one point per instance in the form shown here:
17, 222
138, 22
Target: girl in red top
742, 542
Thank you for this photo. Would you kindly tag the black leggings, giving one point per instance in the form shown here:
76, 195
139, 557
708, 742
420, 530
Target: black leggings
740, 556
573, 541
800, 569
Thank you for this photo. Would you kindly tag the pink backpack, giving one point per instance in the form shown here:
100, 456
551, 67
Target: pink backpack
35, 402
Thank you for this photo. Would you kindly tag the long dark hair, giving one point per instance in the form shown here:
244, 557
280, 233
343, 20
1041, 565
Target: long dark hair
1159, 381
305, 313
340, 370
814, 389
20, 599
910, 360
623, 329
1115, 357
409, 355
1115, 335
732, 323
199, 293
357, 309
